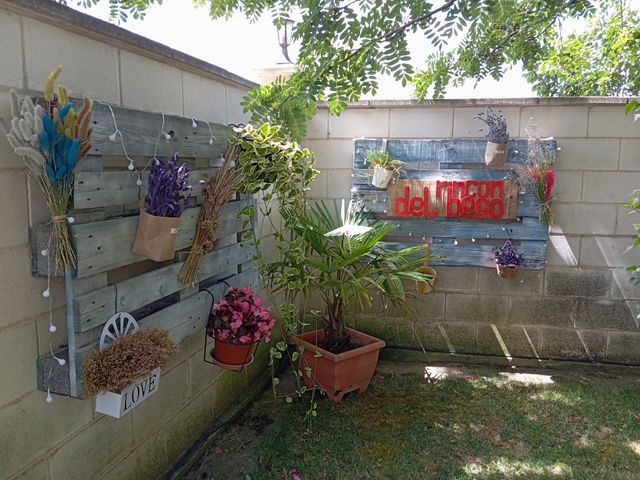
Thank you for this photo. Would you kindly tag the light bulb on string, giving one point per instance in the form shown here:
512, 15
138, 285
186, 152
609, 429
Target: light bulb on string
49, 398
61, 361
473, 240
114, 135
71, 219
44, 252
52, 328
194, 124
46, 293
455, 241
130, 167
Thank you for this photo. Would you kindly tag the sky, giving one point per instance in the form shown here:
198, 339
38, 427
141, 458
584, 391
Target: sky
240, 47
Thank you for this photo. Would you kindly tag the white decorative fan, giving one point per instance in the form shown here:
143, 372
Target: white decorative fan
118, 325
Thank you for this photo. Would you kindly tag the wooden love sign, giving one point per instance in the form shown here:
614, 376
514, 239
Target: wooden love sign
491, 199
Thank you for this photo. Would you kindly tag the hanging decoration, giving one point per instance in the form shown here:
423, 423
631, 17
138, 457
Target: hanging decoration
507, 260
219, 191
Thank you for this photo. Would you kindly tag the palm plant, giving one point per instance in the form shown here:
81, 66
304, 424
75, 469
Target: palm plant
347, 264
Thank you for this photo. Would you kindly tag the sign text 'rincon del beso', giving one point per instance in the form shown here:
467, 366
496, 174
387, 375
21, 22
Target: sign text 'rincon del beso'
491, 199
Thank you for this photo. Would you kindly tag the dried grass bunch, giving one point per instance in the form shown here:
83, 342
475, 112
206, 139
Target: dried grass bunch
219, 191
127, 359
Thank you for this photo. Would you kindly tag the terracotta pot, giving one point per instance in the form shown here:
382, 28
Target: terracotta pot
506, 270
381, 177
231, 354
426, 287
495, 155
340, 373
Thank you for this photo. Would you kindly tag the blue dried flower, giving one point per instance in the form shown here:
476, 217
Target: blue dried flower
169, 188
506, 255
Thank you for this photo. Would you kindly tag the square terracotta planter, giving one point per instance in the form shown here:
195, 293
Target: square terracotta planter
338, 374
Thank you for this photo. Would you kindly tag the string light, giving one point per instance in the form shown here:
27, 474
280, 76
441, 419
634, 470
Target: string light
212, 138
194, 124
118, 133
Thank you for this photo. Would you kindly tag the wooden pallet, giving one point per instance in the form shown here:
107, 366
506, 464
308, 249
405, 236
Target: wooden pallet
453, 241
108, 277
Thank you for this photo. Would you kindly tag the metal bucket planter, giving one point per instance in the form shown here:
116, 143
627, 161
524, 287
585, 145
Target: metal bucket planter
495, 154
381, 177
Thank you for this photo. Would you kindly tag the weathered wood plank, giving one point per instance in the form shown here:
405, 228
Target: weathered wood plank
180, 319
102, 189
141, 131
362, 177
102, 246
443, 151
94, 308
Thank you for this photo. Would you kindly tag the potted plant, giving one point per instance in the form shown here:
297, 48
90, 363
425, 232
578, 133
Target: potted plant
167, 197
238, 322
495, 154
347, 266
507, 260
384, 169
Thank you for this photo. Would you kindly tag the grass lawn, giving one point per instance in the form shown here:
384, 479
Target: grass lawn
476, 426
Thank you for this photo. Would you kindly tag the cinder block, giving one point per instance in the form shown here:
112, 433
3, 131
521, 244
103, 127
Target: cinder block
30, 427
318, 187
476, 308
379, 326
407, 332
147, 460
173, 393
354, 123
629, 154
318, 126
425, 122
18, 345
568, 186
520, 341
606, 314
577, 282
611, 122
573, 344
339, 183
223, 393
163, 94
332, 154
14, 216
607, 187
91, 451
623, 347
457, 279
621, 289
429, 336
625, 221
429, 307
561, 121
525, 282
204, 99
584, 219
608, 252
202, 374
20, 293
588, 153
462, 337
45, 46
563, 250
464, 125
553, 311
235, 113
10, 55
38, 471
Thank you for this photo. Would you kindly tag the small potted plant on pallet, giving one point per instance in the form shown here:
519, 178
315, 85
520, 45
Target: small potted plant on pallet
495, 155
507, 260
346, 265
384, 168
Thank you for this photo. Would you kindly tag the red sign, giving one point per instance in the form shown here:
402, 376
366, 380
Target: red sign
494, 199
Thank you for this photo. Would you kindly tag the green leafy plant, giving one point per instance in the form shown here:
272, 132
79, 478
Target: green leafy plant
346, 263
634, 207
380, 158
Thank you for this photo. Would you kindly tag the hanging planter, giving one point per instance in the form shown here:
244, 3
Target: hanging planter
159, 221
384, 169
495, 154
125, 371
237, 323
507, 260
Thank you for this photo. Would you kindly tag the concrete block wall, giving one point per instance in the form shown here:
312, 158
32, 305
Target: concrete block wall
67, 439
581, 306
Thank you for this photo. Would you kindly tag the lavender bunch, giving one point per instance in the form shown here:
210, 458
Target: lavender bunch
497, 126
169, 188
506, 255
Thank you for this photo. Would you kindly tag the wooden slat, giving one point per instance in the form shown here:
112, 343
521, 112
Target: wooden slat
140, 131
362, 177
443, 151
94, 308
102, 246
102, 189
180, 319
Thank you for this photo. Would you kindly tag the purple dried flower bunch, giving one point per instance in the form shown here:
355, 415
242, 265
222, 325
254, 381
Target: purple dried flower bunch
169, 188
497, 126
506, 255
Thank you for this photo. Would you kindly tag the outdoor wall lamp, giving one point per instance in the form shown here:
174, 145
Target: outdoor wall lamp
284, 37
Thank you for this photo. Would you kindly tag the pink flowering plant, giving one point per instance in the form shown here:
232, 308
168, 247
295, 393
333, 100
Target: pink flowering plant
240, 318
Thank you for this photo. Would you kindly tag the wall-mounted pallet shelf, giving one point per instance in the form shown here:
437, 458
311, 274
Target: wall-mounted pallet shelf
454, 241
105, 208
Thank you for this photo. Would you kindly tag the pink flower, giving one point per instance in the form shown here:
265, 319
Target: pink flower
217, 451
223, 334
551, 176
295, 475
245, 339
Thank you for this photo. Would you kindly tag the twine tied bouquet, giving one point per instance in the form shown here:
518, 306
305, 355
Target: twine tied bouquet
52, 138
